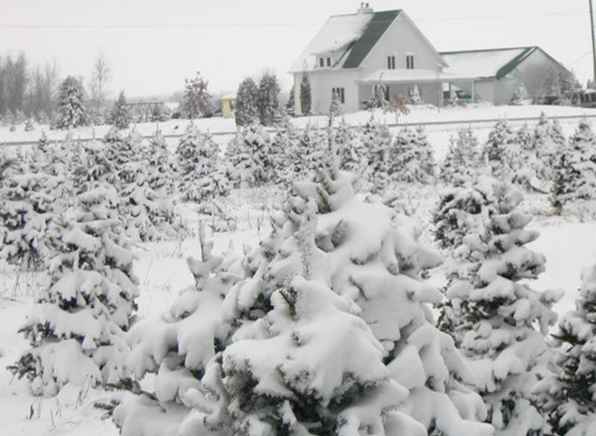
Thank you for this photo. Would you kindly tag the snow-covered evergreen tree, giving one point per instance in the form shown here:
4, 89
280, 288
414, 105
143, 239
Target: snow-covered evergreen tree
249, 155
159, 165
376, 139
575, 169
351, 150
330, 335
501, 322
120, 116
463, 159
71, 111
501, 151
411, 157
196, 101
247, 109
567, 394
77, 325
268, 99
200, 171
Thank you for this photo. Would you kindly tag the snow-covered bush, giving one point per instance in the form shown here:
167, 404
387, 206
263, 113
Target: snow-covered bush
500, 321
463, 159
567, 395
411, 157
200, 170
330, 334
77, 324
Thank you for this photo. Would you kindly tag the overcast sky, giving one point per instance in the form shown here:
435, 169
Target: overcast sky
152, 45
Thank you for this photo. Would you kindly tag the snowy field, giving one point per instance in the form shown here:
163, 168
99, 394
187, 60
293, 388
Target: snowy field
568, 242
223, 128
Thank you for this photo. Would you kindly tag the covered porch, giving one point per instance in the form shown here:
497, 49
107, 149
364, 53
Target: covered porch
417, 86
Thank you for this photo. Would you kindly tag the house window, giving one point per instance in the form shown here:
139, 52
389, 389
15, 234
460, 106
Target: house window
321, 62
328, 62
391, 62
410, 62
339, 93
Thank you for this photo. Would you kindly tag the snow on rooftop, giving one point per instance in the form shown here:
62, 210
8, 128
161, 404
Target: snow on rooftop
479, 63
338, 33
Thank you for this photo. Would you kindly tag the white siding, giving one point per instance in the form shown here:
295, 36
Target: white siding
400, 39
322, 83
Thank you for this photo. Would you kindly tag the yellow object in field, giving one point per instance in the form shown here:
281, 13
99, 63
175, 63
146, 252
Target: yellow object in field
227, 106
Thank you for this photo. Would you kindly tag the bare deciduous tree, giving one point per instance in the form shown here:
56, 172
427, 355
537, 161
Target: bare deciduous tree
98, 86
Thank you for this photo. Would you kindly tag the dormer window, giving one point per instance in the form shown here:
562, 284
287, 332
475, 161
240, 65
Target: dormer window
410, 62
391, 62
328, 61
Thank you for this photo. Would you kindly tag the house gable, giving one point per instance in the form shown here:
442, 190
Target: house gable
401, 38
375, 29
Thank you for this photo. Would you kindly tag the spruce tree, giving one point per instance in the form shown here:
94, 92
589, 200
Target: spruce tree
249, 154
329, 334
566, 395
159, 165
411, 157
80, 317
120, 116
501, 322
501, 150
247, 109
305, 95
462, 160
200, 172
268, 99
376, 139
575, 169
71, 111
196, 100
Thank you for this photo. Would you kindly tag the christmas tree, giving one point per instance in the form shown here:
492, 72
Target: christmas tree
247, 110
462, 160
411, 157
120, 116
71, 111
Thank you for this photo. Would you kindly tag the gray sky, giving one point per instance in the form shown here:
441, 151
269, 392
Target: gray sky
152, 45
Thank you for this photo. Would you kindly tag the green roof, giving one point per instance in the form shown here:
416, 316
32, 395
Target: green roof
372, 33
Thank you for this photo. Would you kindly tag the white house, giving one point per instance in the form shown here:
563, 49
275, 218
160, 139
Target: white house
353, 53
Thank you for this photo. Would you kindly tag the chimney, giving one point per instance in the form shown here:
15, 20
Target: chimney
365, 8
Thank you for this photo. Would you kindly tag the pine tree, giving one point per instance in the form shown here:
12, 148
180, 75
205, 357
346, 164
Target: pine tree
78, 322
305, 95
291, 104
463, 159
120, 116
249, 154
268, 99
566, 395
329, 335
247, 109
196, 101
575, 169
500, 320
411, 157
159, 165
501, 150
71, 110
29, 203
376, 139
352, 152
200, 172
308, 149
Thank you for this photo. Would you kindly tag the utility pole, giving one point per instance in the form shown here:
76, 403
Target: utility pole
593, 41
